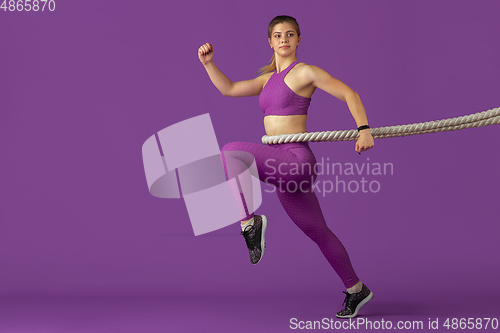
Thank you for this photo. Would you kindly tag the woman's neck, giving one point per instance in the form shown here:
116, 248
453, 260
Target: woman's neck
283, 63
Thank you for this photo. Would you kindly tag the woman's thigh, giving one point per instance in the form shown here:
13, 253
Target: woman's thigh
278, 165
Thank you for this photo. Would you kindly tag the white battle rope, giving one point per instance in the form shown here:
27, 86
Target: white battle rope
490, 117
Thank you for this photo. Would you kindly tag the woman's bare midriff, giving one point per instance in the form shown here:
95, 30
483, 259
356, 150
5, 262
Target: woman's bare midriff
277, 125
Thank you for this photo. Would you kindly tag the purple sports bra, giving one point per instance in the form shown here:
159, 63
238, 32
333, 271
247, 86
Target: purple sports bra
277, 99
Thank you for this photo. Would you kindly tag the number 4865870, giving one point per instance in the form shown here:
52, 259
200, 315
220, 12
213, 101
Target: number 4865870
28, 5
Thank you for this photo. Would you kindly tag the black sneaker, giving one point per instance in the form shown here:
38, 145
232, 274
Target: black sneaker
354, 302
254, 237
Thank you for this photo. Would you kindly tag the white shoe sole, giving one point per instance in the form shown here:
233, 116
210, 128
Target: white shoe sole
263, 240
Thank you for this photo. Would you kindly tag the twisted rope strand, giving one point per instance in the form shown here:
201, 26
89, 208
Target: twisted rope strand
485, 118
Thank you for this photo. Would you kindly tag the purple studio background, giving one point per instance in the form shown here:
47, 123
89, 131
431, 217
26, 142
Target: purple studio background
84, 86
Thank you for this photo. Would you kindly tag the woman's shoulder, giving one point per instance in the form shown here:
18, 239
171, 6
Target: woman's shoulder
307, 67
306, 70
265, 76
310, 71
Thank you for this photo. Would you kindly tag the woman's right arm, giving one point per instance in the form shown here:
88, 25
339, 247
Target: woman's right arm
227, 87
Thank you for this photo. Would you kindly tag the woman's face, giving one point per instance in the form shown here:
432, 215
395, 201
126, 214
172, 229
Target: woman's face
284, 39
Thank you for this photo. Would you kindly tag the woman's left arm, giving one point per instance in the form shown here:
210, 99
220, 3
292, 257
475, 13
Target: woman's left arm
324, 81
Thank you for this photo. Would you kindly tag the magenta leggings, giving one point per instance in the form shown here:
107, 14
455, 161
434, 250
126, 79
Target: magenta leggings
290, 168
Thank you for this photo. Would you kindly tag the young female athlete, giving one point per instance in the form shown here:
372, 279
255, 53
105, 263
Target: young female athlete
285, 87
